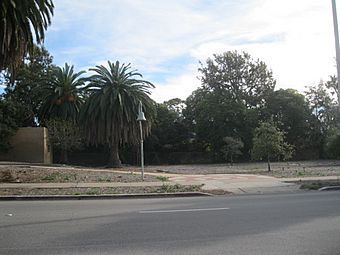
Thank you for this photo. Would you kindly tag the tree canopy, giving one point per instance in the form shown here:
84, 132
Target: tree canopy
20, 23
269, 142
109, 115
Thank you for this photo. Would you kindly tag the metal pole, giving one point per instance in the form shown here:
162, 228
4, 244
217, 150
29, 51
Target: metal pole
141, 149
337, 50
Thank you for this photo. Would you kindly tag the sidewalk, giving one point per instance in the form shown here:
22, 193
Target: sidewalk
236, 183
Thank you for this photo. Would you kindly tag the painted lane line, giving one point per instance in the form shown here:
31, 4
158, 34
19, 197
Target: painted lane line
186, 210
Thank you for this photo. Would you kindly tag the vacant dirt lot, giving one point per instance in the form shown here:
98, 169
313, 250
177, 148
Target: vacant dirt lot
40, 174
279, 169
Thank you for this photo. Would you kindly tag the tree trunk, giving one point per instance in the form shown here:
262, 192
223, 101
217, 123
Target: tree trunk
268, 161
63, 156
114, 160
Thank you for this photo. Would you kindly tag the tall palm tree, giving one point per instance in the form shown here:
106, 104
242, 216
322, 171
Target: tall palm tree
17, 20
109, 115
63, 95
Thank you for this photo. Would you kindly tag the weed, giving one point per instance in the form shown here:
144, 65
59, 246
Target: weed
93, 191
163, 178
104, 179
51, 177
56, 177
300, 173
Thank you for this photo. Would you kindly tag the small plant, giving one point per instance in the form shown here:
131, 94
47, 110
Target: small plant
104, 179
57, 177
168, 188
163, 178
93, 191
51, 177
300, 173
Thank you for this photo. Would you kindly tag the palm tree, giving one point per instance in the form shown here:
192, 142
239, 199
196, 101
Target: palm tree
109, 115
62, 99
17, 20
63, 95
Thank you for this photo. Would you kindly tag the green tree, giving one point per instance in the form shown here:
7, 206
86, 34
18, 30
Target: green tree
332, 144
232, 148
63, 95
268, 143
247, 80
8, 123
109, 115
20, 22
26, 90
169, 132
290, 110
234, 90
321, 104
65, 135
213, 116
332, 85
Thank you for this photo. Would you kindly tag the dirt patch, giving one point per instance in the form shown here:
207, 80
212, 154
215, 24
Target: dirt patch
40, 174
279, 169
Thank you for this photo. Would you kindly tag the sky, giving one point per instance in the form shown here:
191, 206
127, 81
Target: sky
165, 39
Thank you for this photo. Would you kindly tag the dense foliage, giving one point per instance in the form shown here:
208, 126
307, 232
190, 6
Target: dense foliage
65, 135
268, 143
109, 114
8, 123
236, 114
20, 22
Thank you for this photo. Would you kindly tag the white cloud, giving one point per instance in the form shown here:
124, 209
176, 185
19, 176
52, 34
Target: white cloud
177, 87
300, 46
295, 38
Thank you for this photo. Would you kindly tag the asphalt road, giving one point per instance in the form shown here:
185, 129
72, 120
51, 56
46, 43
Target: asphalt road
301, 223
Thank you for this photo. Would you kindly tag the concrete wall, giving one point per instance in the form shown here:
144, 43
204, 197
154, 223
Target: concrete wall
29, 144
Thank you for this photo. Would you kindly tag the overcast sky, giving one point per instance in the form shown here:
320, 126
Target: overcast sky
165, 39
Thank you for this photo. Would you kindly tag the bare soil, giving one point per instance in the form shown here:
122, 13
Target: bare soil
279, 169
42, 174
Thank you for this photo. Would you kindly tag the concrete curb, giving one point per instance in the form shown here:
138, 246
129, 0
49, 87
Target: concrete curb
104, 196
327, 188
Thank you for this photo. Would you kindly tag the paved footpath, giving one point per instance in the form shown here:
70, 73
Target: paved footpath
236, 183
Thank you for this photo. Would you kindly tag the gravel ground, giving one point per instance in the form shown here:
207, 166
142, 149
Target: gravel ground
41, 174
279, 169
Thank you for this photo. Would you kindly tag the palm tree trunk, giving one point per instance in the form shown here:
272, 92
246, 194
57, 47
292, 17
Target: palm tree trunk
114, 160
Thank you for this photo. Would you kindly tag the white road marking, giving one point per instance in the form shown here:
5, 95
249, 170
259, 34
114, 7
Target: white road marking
186, 210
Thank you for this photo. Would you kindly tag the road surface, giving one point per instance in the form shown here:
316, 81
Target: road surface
295, 223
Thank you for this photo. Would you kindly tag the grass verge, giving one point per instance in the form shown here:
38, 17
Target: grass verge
166, 188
